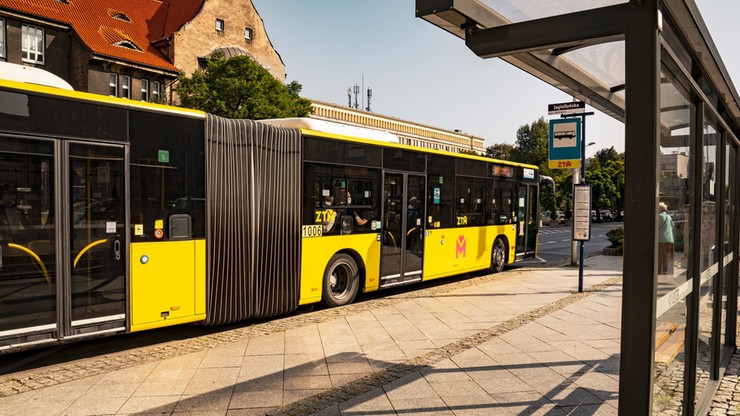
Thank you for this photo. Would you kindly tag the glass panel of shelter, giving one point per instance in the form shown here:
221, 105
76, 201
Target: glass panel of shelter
675, 250
678, 275
728, 244
709, 252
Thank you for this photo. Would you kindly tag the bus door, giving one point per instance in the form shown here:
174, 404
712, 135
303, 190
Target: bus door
527, 222
28, 241
95, 295
62, 269
402, 235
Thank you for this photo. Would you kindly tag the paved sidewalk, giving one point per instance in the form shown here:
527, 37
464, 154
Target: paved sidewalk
522, 342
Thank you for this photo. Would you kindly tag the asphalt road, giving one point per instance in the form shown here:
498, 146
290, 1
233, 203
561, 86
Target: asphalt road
555, 240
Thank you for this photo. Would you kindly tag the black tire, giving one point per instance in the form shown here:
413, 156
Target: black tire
341, 281
498, 256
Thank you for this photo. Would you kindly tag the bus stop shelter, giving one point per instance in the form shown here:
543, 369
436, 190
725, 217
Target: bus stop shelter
652, 65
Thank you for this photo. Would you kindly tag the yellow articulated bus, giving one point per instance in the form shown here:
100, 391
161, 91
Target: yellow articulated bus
118, 216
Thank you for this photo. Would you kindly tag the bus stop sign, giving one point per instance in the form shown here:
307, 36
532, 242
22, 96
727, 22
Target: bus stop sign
565, 143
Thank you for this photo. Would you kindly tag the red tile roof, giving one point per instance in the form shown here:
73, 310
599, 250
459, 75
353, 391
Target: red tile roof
95, 24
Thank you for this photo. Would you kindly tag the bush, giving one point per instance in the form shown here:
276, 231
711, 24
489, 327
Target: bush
616, 237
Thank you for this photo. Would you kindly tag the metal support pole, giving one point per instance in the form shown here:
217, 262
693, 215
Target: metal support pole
641, 141
579, 177
583, 180
574, 244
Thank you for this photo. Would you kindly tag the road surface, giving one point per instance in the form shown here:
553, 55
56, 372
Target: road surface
555, 240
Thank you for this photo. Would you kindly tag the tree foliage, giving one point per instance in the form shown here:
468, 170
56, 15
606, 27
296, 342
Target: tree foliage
239, 87
501, 151
532, 144
605, 155
469, 152
607, 180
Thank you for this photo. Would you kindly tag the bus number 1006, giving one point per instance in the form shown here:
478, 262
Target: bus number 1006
312, 231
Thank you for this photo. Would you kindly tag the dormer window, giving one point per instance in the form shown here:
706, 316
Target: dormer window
127, 44
248, 34
219, 26
120, 16
118, 37
117, 14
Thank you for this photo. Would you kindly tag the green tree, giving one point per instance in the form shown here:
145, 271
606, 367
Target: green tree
469, 152
607, 182
605, 155
239, 87
501, 151
532, 145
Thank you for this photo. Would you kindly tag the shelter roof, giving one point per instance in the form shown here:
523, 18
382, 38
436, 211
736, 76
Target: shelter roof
592, 70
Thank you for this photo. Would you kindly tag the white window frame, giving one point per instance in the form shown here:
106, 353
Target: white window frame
32, 44
155, 91
126, 87
220, 25
248, 34
113, 85
2, 37
144, 89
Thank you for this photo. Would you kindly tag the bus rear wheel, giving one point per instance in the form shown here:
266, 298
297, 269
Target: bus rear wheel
498, 256
341, 281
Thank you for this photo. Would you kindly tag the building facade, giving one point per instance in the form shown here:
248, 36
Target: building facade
134, 49
410, 133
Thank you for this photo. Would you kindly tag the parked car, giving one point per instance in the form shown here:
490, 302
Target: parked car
546, 218
606, 215
560, 217
603, 215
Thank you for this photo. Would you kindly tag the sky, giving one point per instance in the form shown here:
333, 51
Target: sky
420, 73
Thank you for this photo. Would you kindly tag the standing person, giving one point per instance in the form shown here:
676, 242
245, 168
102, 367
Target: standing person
665, 240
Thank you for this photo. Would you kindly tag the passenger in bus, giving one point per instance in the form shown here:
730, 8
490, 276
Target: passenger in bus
342, 197
359, 220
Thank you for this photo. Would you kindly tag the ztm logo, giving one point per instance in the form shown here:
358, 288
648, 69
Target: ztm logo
460, 246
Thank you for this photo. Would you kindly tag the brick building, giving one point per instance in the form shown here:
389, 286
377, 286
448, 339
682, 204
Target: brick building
133, 49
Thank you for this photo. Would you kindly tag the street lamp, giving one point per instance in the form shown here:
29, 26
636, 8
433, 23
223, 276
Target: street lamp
583, 163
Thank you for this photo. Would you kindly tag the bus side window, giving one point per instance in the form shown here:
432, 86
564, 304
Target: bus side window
501, 202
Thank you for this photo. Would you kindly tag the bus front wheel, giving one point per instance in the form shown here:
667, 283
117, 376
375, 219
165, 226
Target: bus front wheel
498, 256
341, 281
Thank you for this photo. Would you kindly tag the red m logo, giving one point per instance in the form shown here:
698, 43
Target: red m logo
460, 246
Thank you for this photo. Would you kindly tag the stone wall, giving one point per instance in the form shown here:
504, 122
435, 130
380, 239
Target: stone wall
199, 36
